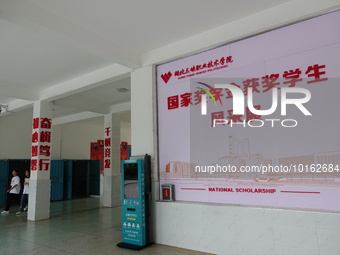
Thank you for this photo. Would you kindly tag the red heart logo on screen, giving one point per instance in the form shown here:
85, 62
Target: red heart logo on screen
166, 77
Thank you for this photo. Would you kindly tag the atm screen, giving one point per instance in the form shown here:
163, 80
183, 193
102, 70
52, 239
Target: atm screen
131, 171
131, 181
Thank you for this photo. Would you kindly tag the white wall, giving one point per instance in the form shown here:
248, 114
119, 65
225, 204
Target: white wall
230, 229
291, 11
125, 127
77, 136
15, 135
56, 142
125, 132
226, 229
69, 141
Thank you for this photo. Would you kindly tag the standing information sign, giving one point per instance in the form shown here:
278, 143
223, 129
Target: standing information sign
135, 210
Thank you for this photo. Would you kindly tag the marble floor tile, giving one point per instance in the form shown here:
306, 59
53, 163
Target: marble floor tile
78, 226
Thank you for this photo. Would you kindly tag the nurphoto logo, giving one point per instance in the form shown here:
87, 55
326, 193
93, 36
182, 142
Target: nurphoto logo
239, 104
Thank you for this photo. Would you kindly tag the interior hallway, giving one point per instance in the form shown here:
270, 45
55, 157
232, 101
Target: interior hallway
78, 226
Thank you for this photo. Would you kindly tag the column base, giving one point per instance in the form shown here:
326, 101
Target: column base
111, 191
39, 200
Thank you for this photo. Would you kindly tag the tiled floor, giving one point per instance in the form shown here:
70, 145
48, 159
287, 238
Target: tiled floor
79, 226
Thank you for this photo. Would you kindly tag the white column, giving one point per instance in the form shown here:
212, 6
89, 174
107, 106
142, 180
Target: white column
143, 116
40, 184
142, 136
111, 179
143, 131
143, 111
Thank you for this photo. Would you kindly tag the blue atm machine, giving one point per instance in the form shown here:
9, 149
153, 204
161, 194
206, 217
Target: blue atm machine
136, 198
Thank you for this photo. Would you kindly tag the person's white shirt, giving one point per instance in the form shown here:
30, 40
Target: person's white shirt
15, 181
26, 186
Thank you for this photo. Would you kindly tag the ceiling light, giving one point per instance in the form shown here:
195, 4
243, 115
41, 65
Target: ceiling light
3, 107
122, 90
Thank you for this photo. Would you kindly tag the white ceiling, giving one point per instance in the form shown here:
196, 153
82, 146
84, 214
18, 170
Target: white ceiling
48, 44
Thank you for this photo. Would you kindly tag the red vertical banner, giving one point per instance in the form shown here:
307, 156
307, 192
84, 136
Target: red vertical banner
98, 151
124, 151
101, 154
107, 147
41, 144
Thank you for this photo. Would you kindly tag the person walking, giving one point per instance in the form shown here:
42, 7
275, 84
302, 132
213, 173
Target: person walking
24, 196
13, 193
